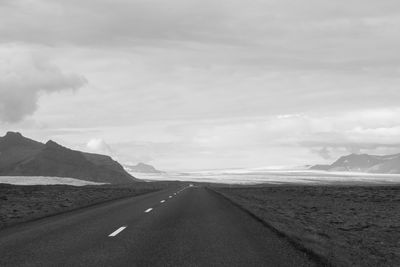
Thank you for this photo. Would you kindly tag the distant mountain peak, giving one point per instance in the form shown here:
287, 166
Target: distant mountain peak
13, 134
12, 139
143, 168
141, 164
51, 143
364, 163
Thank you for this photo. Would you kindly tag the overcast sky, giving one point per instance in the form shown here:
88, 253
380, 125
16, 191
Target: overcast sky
190, 84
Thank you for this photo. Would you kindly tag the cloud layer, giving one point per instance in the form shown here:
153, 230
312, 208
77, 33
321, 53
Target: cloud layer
205, 84
24, 76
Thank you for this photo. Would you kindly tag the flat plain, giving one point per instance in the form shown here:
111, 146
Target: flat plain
21, 203
346, 225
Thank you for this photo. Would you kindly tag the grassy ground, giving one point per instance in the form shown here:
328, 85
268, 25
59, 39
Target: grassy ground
23, 203
348, 226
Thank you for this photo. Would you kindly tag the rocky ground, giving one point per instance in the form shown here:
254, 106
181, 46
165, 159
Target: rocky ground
348, 226
20, 203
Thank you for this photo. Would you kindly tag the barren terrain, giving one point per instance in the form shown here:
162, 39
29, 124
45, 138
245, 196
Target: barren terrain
348, 226
20, 203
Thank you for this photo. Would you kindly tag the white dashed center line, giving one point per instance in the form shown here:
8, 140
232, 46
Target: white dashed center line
122, 228
116, 232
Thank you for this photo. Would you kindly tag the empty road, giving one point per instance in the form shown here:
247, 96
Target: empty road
190, 226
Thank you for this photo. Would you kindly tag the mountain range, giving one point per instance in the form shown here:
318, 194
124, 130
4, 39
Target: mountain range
389, 164
21, 156
142, 168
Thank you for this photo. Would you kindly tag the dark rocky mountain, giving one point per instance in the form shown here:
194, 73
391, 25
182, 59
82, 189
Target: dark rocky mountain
143, 168
364, 163
25, 157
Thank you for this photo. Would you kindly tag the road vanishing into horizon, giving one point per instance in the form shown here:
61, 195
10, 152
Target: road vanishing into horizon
187, 226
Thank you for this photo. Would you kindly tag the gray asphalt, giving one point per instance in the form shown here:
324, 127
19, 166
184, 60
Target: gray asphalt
195, 227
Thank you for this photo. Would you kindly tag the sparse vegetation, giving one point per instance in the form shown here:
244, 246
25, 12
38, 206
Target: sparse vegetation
348, 226
20, 203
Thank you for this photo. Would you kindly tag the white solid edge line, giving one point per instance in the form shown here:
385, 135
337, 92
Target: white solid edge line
148, 210
116, 232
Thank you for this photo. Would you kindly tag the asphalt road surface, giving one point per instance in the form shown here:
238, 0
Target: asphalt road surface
190, 226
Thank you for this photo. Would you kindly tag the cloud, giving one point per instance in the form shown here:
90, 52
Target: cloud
323, 152
24, 76
373, 131
98, 145
206, 83
285, 139
307, 28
